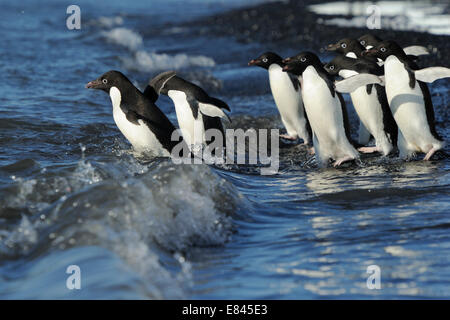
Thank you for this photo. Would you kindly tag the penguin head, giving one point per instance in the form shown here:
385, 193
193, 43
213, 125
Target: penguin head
385, 49
346, 45
158, 83
369, 40
337, 64
297, 64
108, 80
265, 60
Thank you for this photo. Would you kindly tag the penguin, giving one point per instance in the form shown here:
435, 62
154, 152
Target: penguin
368, 41
370, 104
196, 111
325, 109
143, 124
350, 48
410, 100
287, 94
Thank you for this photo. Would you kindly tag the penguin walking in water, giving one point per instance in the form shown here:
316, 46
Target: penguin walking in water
370, 104
286, 92
143, 124
196, 111
410, 100
368, 41
351, 48
325, 109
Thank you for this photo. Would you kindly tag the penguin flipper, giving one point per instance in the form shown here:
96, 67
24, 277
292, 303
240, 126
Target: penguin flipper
215, 102
133, 117
212, 111
432, 74
350, 84
416, 50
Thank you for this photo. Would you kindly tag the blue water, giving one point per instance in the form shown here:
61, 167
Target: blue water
72, 193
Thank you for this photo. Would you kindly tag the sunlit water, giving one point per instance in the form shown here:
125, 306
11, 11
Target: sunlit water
71, 193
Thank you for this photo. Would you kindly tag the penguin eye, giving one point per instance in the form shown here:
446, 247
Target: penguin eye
265, 60
303, 59
363, 42
344, 45
331, 67
383, 49
105, 81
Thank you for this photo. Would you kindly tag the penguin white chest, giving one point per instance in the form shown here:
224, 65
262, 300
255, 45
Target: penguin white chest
408, 106
367, 106
192, 129
140, 136
324, 110
325, 115
286, 97
289, 101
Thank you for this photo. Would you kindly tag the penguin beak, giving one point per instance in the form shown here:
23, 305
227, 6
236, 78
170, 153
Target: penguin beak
95, 84
332, 47
370, 52
287, 67
253, 62
287, 60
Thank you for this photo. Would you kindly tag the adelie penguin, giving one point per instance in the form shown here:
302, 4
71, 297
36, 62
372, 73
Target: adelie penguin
368, 41
287, 94
350, 48
353, 48
410, 100
143, 124
196, 111
370, 104
325, 109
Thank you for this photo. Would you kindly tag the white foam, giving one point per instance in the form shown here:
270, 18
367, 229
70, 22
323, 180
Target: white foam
20, 239
141, 60
151, 61
124, 37
109, 22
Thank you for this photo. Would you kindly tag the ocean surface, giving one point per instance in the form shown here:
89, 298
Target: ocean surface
73, 193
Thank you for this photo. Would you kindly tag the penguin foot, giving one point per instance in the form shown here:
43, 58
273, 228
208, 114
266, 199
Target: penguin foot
430, 154
288, 137
368, 149
340, 161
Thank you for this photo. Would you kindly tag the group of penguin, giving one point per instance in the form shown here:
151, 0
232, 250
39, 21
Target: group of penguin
387, 89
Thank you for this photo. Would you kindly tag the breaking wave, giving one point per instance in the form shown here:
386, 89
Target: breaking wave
124, 37
150, 61
136, 217
143, 61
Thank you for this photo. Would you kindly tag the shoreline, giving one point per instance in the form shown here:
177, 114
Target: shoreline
292, 25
